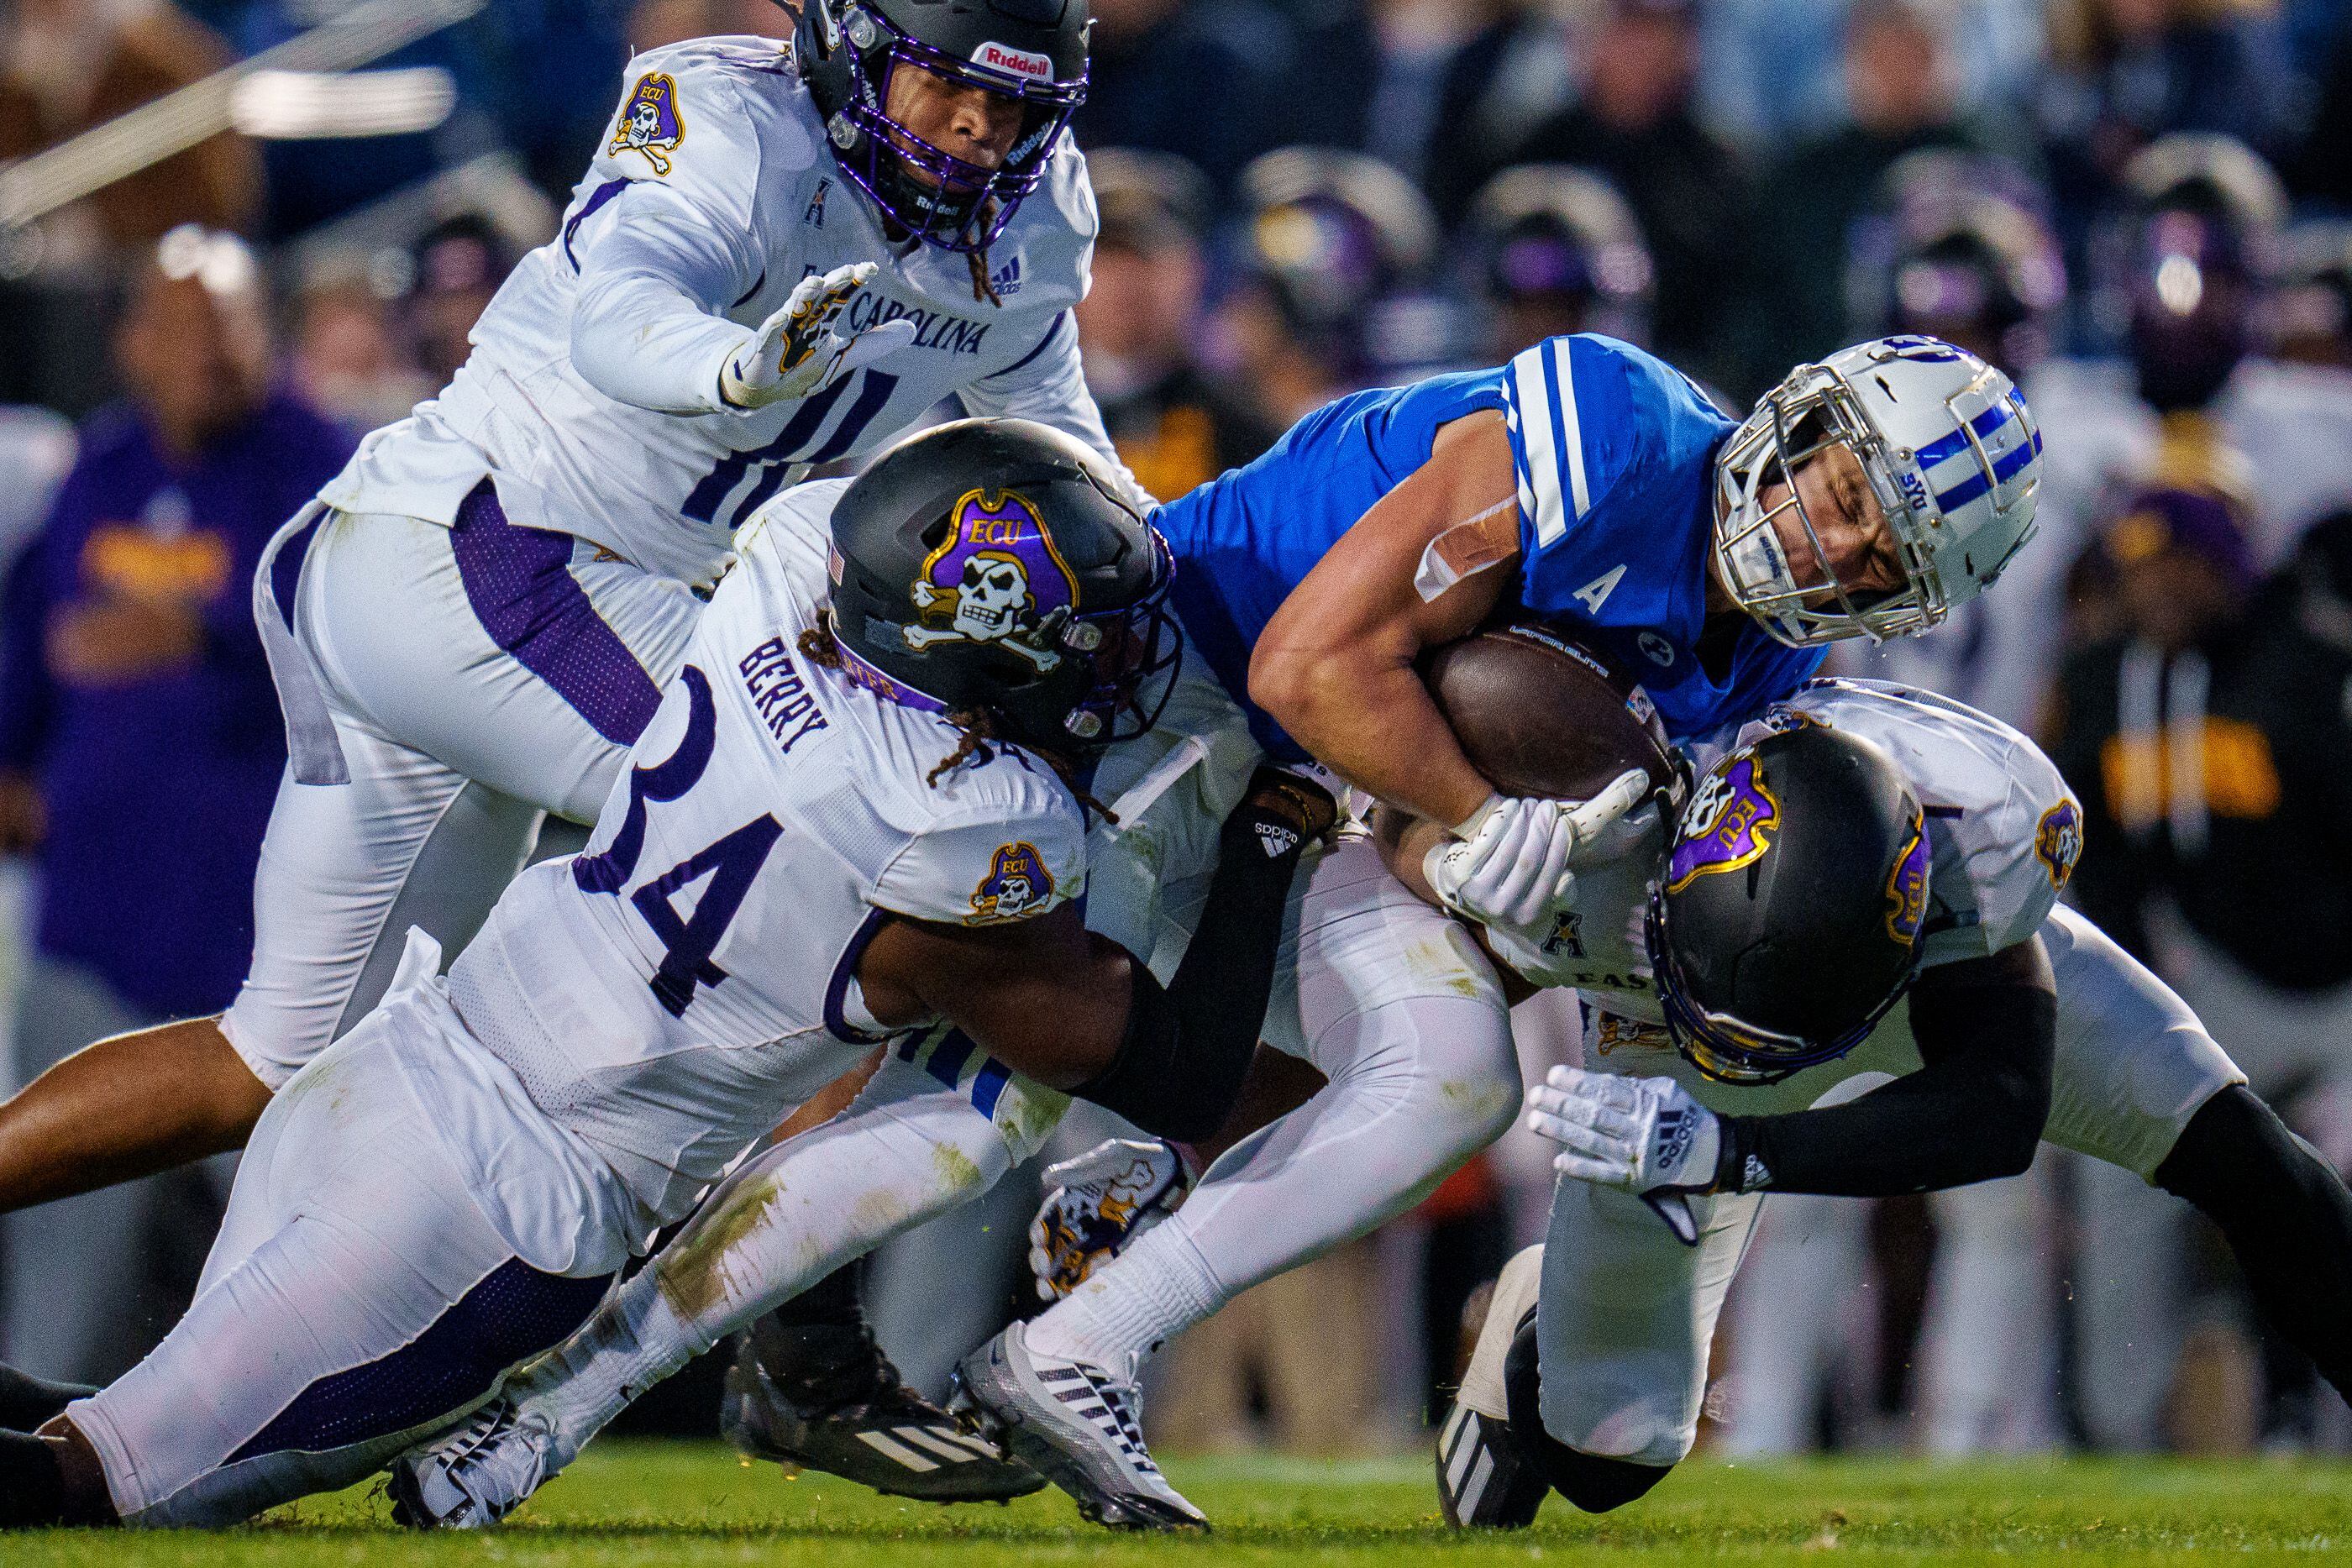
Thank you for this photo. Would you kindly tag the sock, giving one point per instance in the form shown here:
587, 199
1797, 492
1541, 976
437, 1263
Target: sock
32, 1483
635, 1340
26, 1402
1158, 1287
2286, 1214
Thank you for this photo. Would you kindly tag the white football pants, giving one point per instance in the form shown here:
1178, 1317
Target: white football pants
1392, 1000
357, 1299
476, 676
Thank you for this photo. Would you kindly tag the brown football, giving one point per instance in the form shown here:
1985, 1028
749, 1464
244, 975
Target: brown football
1539, 714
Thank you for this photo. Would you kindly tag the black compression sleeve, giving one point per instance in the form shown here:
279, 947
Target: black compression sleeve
1188, 1047
1974, 1111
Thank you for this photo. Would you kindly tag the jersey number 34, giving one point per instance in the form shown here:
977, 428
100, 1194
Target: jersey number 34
731, 863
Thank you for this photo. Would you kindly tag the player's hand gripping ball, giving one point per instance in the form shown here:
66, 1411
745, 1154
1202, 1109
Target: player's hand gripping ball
1098, 1203
801, 350
1646, 1135
1513, 863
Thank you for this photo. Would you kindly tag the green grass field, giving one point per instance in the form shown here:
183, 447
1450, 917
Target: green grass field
681, 1506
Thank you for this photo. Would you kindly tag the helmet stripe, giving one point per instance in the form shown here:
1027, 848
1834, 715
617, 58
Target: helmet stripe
1952, 446
2004, 468
1539, 444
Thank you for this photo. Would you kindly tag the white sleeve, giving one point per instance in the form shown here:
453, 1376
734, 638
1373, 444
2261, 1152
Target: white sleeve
1998, 873
1048, 384
662, 245
988, 872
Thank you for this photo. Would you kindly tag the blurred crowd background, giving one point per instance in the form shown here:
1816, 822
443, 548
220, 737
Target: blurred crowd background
2141, 208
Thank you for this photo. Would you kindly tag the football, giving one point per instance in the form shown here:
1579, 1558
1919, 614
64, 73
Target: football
1540, 714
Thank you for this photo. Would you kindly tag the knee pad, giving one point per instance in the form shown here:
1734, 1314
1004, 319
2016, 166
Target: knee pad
1593, 1483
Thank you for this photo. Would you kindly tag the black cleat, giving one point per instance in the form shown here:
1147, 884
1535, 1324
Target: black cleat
26, 1402
824, 1398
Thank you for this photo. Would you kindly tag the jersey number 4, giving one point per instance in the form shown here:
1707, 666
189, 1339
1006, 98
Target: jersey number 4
731, 863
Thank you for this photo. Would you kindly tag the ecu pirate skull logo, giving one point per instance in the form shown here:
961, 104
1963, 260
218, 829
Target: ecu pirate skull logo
651, 125
1017, 881
996, 577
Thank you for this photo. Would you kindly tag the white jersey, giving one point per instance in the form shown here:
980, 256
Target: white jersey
593, 391
670, 995
2002, 826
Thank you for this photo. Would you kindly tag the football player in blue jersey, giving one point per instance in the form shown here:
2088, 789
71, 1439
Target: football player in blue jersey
1593, 484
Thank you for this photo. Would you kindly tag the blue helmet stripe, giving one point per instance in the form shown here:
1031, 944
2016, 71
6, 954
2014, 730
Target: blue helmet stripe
2004, 468
1952, 446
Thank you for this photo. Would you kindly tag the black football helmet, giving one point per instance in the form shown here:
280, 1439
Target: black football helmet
1786, 922
991, 565
1031, 51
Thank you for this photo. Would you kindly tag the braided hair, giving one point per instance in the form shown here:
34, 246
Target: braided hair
976, 726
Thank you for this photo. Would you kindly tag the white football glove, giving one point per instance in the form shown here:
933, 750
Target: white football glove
1646, 1135
1510, 862
1096, 1204
799, 351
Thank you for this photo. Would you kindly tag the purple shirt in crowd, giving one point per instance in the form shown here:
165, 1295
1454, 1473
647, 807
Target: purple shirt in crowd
158, 790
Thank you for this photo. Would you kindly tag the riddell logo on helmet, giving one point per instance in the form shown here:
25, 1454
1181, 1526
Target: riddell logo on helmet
1013, 62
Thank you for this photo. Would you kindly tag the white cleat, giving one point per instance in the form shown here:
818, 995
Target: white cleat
475, 1476
1078, 1426
1482, 1480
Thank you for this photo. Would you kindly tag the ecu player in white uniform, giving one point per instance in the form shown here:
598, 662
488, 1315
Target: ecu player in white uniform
810, 856
1590, 1371
778, 258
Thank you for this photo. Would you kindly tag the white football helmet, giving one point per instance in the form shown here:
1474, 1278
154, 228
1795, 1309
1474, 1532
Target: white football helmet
1951, 452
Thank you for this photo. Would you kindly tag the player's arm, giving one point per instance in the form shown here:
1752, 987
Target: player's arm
1987, 1032
1425, 564
1074, 1010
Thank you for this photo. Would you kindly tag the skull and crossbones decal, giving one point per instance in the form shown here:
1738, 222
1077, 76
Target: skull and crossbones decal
651, 126
995, 578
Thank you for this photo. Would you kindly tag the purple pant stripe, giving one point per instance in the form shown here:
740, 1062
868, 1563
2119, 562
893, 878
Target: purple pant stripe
520, 583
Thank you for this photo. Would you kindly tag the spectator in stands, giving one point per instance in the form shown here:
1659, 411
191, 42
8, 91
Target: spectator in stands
1331, 245
1552, 250
1901, 97
1633, 122
2127, 72
2208, 746
141, 738
456, 265
2312, 316
1212, 80
1142, 328
347, 359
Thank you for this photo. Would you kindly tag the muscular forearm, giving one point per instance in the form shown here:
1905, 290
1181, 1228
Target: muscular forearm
125, 1107
1370, 719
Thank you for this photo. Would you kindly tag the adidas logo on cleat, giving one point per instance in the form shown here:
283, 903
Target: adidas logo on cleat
925, 1449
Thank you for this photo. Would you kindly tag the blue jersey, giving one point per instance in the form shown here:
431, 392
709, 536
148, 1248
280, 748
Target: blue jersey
1614, 451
